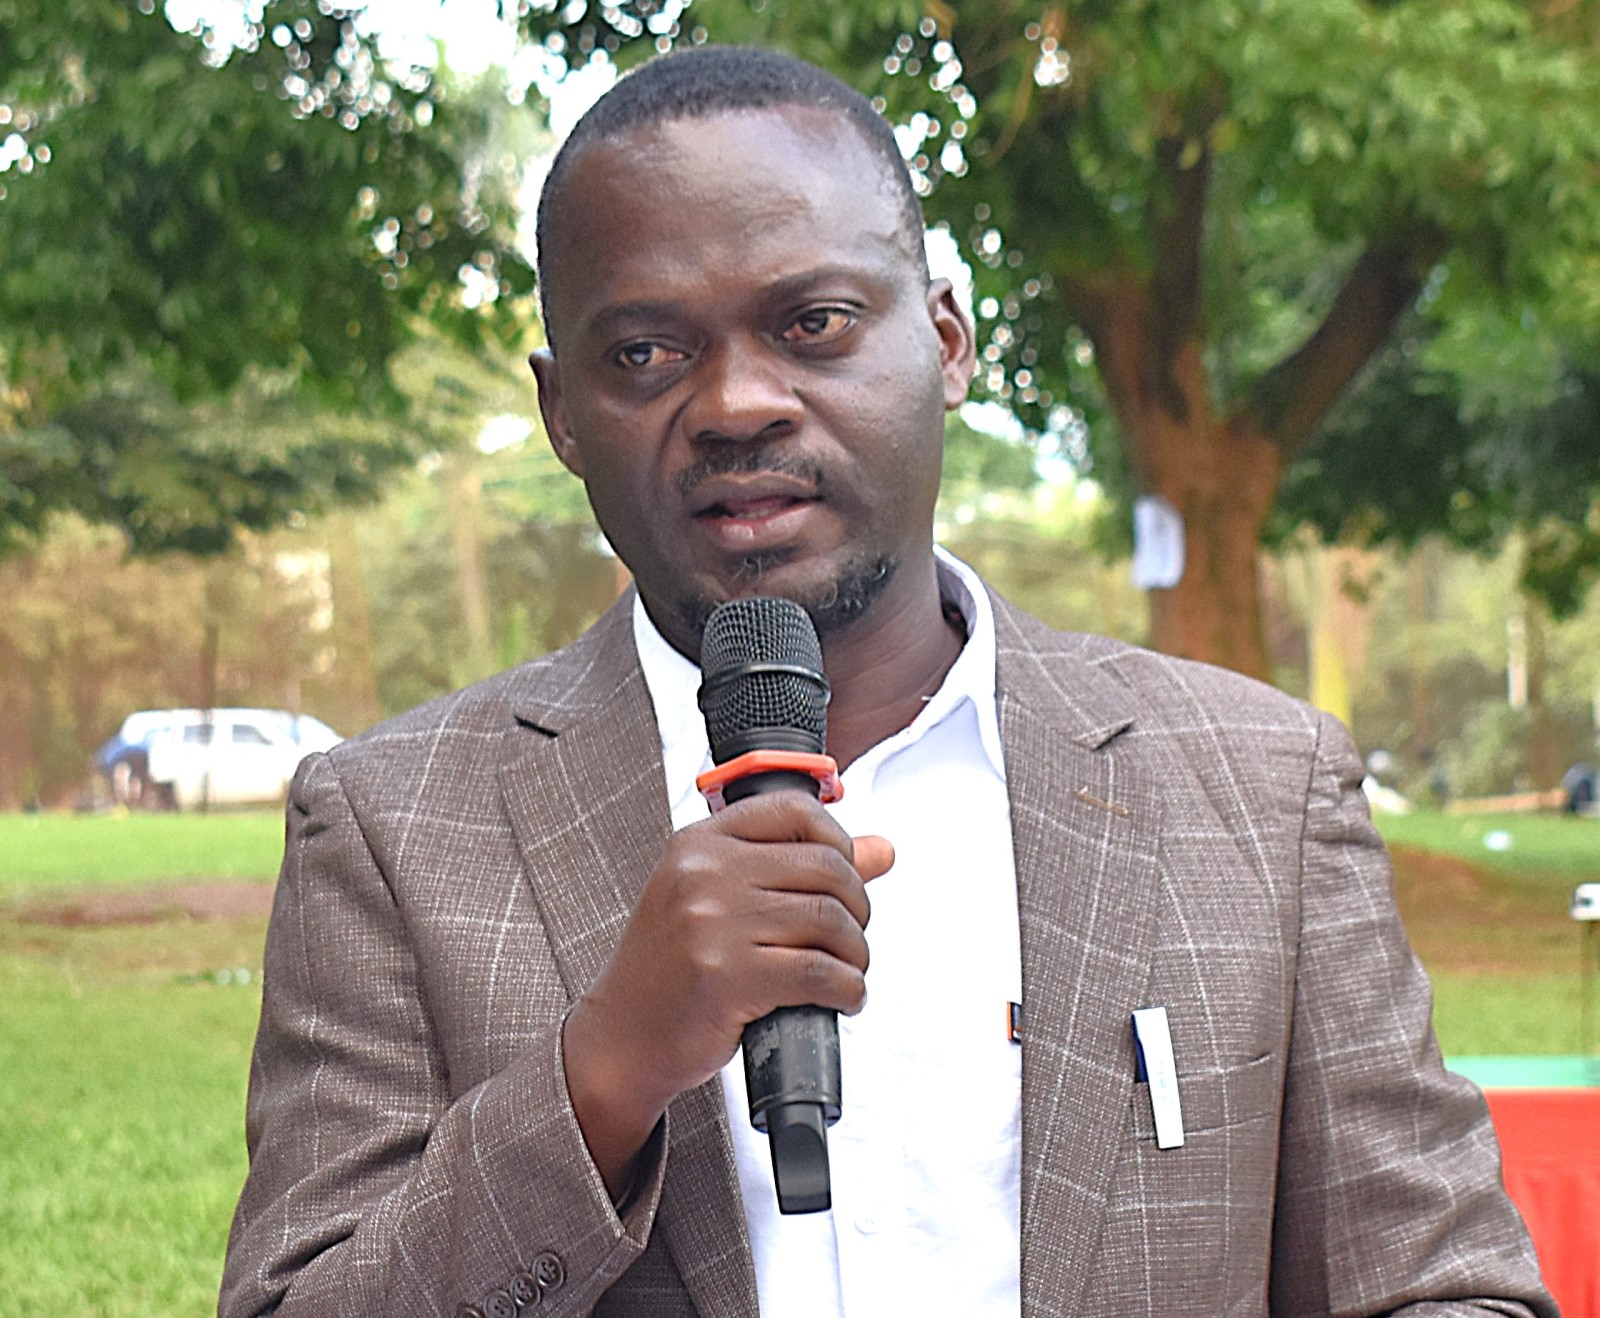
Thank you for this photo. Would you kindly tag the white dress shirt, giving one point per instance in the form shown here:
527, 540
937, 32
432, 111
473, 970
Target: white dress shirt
925, 1159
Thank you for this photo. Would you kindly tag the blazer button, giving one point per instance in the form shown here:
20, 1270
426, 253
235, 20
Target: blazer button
464, 1310
525, 1290
497, 1304
549, 1271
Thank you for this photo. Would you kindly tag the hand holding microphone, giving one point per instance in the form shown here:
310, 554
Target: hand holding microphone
765, 701
763, 906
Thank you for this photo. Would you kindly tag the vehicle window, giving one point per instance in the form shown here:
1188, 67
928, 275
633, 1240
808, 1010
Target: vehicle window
198, 734
248, 734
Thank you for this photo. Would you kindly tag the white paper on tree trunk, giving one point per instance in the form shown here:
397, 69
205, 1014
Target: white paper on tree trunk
1157, 543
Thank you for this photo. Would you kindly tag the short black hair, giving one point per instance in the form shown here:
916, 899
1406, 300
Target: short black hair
709, 80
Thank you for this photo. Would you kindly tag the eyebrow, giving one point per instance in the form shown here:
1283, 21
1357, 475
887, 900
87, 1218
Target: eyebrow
783, 289
638, 309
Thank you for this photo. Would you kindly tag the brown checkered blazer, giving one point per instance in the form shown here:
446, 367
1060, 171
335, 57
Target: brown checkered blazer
1184, 837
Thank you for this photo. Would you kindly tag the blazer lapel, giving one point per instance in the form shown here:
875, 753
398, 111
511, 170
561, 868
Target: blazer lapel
1085, 827
586, 798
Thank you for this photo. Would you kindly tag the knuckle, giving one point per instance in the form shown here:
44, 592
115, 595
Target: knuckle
818, 975
821, 911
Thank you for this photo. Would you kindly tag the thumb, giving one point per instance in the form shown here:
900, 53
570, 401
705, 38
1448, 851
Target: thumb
873, 855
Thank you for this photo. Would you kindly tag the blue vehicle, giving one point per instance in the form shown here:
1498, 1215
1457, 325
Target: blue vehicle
124, 760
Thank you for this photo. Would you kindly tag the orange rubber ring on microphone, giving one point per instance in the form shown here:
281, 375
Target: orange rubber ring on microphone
824, 768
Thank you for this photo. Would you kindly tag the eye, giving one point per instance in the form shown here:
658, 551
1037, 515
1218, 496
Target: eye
644, 354
820, 325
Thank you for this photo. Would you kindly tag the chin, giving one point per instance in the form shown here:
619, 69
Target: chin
834, 603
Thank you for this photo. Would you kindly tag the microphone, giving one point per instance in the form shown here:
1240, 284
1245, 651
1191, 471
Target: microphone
765, 703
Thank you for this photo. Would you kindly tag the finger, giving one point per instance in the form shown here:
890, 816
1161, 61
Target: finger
811, 920
808, 867
803, 978
790, 816
873, 856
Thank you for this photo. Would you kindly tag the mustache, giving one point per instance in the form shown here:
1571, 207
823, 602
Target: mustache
745, 461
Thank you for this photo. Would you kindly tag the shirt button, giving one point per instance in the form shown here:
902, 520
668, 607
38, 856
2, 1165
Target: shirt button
866, 1224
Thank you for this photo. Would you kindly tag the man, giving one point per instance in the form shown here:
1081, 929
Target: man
497, 1067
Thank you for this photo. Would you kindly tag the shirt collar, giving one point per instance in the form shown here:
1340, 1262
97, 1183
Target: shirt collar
674, 684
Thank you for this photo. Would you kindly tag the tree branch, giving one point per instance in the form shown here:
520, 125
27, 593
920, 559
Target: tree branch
1291, 399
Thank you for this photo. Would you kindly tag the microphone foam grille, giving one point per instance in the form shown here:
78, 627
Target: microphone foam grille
756, 631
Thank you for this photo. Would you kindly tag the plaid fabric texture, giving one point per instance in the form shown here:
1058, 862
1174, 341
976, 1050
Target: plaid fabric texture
1184, 838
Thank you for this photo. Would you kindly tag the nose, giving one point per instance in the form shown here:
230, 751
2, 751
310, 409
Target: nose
742, 391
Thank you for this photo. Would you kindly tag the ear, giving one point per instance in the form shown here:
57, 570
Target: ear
958, 346
553, 409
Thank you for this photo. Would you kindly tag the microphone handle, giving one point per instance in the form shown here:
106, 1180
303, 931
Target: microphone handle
791, 1064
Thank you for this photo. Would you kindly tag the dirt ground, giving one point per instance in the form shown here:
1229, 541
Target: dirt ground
1466, 917
1460, 916
152, 905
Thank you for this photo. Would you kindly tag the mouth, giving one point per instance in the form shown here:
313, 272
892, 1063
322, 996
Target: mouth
751, 510
753, 513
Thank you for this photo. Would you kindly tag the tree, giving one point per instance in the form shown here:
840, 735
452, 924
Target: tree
206, 236
1198, 221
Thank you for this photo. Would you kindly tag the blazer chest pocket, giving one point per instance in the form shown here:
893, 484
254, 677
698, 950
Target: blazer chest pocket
1193, 1224
1214, 1100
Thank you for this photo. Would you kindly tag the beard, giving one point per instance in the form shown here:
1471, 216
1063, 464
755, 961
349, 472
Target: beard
833, 606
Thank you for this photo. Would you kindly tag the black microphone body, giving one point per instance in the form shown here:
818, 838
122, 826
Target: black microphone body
764, 691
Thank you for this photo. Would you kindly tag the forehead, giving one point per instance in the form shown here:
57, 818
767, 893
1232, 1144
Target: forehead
759, 194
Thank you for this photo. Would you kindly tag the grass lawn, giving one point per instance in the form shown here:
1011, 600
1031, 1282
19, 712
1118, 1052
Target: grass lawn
123, 848
1540, 847
127, 1027
1492, 925
122, 1072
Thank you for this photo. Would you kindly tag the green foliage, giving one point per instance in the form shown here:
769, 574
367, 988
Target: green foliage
1493, 752
189, 478
92, 633
1474, 431
1432, 689
280, 216
1071, 148
210, 249
290, 205
544, 578
979, 465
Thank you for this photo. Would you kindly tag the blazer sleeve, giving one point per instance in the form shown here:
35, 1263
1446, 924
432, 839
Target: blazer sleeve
370, 1190
1389, 1191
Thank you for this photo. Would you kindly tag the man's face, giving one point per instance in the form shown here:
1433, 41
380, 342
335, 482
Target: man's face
752, 370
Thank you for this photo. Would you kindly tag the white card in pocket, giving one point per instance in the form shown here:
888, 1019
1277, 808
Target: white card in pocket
1153, 1038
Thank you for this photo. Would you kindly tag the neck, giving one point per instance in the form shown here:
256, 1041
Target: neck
883, 668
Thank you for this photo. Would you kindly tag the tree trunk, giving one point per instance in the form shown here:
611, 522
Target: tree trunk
465, 503
1223, 484
352, 625
1544, 748
16, 749
1220, 474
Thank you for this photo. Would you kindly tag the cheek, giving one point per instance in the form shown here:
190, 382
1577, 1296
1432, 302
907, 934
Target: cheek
904, 423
